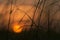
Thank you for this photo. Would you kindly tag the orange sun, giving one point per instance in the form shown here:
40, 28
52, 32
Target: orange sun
17, 28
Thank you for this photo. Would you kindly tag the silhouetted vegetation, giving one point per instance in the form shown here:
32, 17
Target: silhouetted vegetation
47, 24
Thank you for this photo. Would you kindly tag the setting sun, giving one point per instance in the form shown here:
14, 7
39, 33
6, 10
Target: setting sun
17, 28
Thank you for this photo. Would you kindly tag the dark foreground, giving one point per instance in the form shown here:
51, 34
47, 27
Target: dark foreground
29, 35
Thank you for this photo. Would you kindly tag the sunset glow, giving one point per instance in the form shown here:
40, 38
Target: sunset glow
17, 28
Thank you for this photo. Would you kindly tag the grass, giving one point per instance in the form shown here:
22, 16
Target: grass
29, 35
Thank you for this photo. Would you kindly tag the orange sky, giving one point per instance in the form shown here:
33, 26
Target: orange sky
18, 12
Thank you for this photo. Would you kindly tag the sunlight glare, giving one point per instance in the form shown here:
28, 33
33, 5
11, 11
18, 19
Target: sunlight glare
17, 28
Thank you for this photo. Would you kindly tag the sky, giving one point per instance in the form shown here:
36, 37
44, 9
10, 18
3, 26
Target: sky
19, 9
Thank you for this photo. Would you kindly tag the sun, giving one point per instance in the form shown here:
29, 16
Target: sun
17, 28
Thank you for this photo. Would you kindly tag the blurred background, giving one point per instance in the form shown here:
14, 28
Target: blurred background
29, 19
